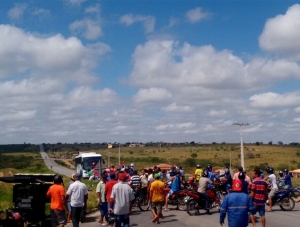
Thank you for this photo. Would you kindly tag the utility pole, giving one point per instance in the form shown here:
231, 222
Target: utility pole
119, 155
242, 146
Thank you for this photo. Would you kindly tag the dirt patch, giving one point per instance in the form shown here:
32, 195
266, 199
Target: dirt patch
67, 162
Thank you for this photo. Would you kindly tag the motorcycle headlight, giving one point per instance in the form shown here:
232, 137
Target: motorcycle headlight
3, 215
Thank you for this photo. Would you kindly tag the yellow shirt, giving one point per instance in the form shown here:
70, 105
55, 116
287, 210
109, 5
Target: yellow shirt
198, 173
157, 189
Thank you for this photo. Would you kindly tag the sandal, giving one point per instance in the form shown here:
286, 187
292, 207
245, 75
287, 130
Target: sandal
166, 210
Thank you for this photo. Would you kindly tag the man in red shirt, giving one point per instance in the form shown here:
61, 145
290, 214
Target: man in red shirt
58, 202
109, 185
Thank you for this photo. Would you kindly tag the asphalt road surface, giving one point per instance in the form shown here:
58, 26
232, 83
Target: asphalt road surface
175, 218
51, 164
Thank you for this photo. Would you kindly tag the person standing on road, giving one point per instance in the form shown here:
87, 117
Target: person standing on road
108, 189
259, 189
69, 199
237, 204
102, 204
274, 187
157, 197
121, 198
287, 177
58, 203
79, 195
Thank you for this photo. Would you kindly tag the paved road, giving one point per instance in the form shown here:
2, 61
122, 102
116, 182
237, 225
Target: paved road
50, 163
176, 218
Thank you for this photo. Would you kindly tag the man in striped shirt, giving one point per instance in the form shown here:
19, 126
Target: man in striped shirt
258, 194
135, 181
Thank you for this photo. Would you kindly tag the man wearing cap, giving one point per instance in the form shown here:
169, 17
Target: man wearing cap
157, 197
109, 185
237, 204
79, 196
121, 197
102, 203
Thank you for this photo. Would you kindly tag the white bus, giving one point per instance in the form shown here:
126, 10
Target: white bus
84, 162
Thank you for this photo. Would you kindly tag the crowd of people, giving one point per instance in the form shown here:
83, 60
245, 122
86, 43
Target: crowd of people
117, 189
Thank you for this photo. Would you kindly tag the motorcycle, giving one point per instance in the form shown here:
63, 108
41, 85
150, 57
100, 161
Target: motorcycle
284, 198
11, 219
198, 201
177, 199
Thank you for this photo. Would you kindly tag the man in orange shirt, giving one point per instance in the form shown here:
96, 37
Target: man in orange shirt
157, 197
58, 202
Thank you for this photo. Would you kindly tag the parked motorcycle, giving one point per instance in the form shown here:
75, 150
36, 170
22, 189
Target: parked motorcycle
198, 201
284, 198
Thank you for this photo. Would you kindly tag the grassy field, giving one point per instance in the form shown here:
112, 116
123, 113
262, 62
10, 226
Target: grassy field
279, 157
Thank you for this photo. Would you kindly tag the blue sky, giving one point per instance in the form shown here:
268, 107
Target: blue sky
140, 71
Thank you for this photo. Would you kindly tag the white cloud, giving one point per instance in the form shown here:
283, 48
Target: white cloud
24, 53
17, 11
281, 33
173, 21
93, 9
271, 99
152, 95
18, 115
173, 107
91, 29
196, 15
217, 113
41, 12
77, 2
148, 21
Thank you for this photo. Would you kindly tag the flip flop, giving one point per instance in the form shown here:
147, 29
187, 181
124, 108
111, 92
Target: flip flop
155, 219
166, 210
269, 210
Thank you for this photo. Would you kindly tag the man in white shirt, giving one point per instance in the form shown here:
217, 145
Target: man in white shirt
122, 196
79, 196
274, 188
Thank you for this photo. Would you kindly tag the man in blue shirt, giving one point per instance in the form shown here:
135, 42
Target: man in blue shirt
175, 186
287, 177
237, 205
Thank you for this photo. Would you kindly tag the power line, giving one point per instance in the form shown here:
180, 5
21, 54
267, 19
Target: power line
241, 137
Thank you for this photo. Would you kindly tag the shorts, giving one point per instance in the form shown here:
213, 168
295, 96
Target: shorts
170, 193
272, 193
259, 209
158, 206
58, 217
69, 206
103, 208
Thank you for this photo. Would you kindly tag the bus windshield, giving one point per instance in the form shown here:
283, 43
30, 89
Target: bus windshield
89, 162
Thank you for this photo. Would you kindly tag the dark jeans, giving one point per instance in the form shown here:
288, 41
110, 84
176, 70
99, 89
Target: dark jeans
76, 212
124, 218
206, 200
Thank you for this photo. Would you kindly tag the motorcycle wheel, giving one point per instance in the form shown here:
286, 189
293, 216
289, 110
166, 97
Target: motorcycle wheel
192, 207
143, 204
181, 203
287, 204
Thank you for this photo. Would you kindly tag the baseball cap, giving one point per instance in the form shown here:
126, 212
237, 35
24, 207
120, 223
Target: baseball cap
77, 176
122, 176
156, 175
237, 185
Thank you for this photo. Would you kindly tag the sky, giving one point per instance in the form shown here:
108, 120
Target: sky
149, 71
